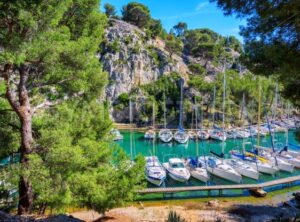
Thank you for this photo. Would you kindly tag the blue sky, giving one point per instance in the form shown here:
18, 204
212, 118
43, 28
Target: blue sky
196, 13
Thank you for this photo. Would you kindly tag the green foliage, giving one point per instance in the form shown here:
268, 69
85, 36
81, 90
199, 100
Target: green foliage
136, 49
75, 165
196, 69
155, 28
136, 14
173, 46
9, 127
233, 43
168, 85
110, 10
271, 42
156, 56
71, 160
128, 40
200, 84
114, 46
174, 217
180, 28
123, 99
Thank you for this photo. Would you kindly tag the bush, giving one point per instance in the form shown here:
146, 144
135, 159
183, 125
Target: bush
196, 69
114, 46
174, 217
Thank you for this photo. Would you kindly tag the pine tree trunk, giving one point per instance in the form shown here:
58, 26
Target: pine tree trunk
25, 190
25, 116
20, 103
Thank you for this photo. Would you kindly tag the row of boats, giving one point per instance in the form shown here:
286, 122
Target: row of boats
241, 164
182, 136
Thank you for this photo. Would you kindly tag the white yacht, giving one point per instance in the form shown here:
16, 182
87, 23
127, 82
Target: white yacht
181, 136
165, 135
150, 134
197, 169
154, 171
256, 163
219, 168
217, 135
192, 134
281, 163
203, 135
176, 170
243, 168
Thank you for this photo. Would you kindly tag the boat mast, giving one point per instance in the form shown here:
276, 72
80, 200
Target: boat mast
181, 104
214, 104
153, 115
259, 112
165, 118
130, 120
196, 116
276, 101
224, 97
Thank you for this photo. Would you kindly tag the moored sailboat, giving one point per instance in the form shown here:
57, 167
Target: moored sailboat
165, 135
220, 169
181, 136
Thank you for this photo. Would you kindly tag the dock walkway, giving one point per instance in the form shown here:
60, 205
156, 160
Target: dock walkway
284, 181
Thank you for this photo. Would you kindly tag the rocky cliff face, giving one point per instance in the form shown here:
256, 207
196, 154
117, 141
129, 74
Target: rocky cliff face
132, 60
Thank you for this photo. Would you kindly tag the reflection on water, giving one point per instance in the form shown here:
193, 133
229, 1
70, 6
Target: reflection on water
165, 151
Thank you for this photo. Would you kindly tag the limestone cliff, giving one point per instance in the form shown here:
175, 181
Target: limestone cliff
131, 60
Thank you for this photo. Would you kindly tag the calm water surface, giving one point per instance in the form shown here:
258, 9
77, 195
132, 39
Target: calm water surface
164, 151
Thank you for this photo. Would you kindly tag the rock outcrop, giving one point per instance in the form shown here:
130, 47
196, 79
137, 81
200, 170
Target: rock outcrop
132, 60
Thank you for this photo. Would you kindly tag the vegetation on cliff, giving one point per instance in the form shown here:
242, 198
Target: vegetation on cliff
272, 42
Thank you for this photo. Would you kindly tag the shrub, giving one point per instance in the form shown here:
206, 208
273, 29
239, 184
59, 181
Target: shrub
174, 217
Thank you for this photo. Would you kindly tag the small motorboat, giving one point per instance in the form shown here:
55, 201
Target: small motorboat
197, 169
219, 168
150, 134
192, 134
116, 135
181, 136
176, 170
203, 135
154, 171
165, 135
243, 168
217, 135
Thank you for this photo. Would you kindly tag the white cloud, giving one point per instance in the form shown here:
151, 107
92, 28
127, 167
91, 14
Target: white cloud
201, 5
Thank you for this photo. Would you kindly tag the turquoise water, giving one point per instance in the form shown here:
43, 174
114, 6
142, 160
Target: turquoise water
165, 151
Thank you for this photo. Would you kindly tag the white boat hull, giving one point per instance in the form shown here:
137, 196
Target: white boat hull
165, 135
181, 137
245, 171
267, 169
199, 174
236, 178
175, 175
156, 182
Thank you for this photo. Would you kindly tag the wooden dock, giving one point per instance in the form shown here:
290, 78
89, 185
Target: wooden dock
253, 187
